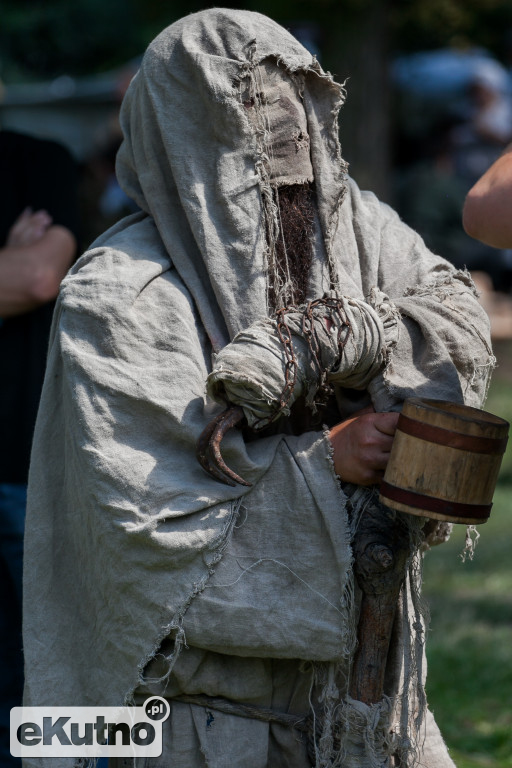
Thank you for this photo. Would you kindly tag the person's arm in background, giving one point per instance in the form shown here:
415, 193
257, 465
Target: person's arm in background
33, 261
487, 212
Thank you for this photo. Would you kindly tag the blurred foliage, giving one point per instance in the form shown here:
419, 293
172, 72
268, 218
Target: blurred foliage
40, 39
437, 23
46, 38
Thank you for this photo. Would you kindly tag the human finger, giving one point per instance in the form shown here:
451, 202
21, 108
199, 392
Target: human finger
29, 227
40, 221
16, 230
25, 214
386, 422
42, 216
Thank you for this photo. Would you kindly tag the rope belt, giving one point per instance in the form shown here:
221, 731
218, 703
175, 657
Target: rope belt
247, 710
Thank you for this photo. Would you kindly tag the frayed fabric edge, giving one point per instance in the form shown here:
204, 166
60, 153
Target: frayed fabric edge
445, 284
471, 540
393, 726
296, 69
176, 622
347, 599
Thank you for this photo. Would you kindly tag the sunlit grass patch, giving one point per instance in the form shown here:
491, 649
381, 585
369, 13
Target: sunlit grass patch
469, 645
470, 642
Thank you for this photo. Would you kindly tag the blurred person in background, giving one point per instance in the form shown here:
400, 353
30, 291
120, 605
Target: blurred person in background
465, 102
102, 201
487, 212
487, 129
38, 243
487, 217
430, 195
477, 143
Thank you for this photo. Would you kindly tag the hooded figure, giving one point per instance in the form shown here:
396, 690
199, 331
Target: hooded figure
143, 574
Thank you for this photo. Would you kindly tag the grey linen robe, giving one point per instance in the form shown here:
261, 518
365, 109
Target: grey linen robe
130, 546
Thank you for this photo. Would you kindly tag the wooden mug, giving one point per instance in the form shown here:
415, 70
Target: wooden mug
444, 462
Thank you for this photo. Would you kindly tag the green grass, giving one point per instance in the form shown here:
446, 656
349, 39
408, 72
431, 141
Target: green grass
470, 642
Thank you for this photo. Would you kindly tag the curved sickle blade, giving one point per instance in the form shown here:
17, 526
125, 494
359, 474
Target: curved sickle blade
208, 447
203, 450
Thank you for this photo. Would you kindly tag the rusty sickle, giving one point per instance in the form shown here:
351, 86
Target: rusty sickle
208, 446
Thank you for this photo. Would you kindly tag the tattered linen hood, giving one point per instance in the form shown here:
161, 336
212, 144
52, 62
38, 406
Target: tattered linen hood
195, 158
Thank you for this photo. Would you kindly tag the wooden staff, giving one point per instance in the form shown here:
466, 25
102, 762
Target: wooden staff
382, 546
443, 465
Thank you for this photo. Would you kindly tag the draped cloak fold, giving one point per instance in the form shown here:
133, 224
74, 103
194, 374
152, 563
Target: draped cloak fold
128, 541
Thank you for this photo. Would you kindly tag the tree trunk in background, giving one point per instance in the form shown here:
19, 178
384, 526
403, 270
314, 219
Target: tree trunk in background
357, 50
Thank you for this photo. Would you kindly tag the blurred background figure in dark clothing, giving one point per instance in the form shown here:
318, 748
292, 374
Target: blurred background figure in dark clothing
38, 243
487, 126
102, 201
456, 118
430, 195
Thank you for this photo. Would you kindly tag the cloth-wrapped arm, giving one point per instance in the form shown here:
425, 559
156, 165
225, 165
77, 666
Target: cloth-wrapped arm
443, 347
337, 339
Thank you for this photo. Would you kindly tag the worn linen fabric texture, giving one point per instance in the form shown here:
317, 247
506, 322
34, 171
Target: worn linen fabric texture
129, 544
251, 370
